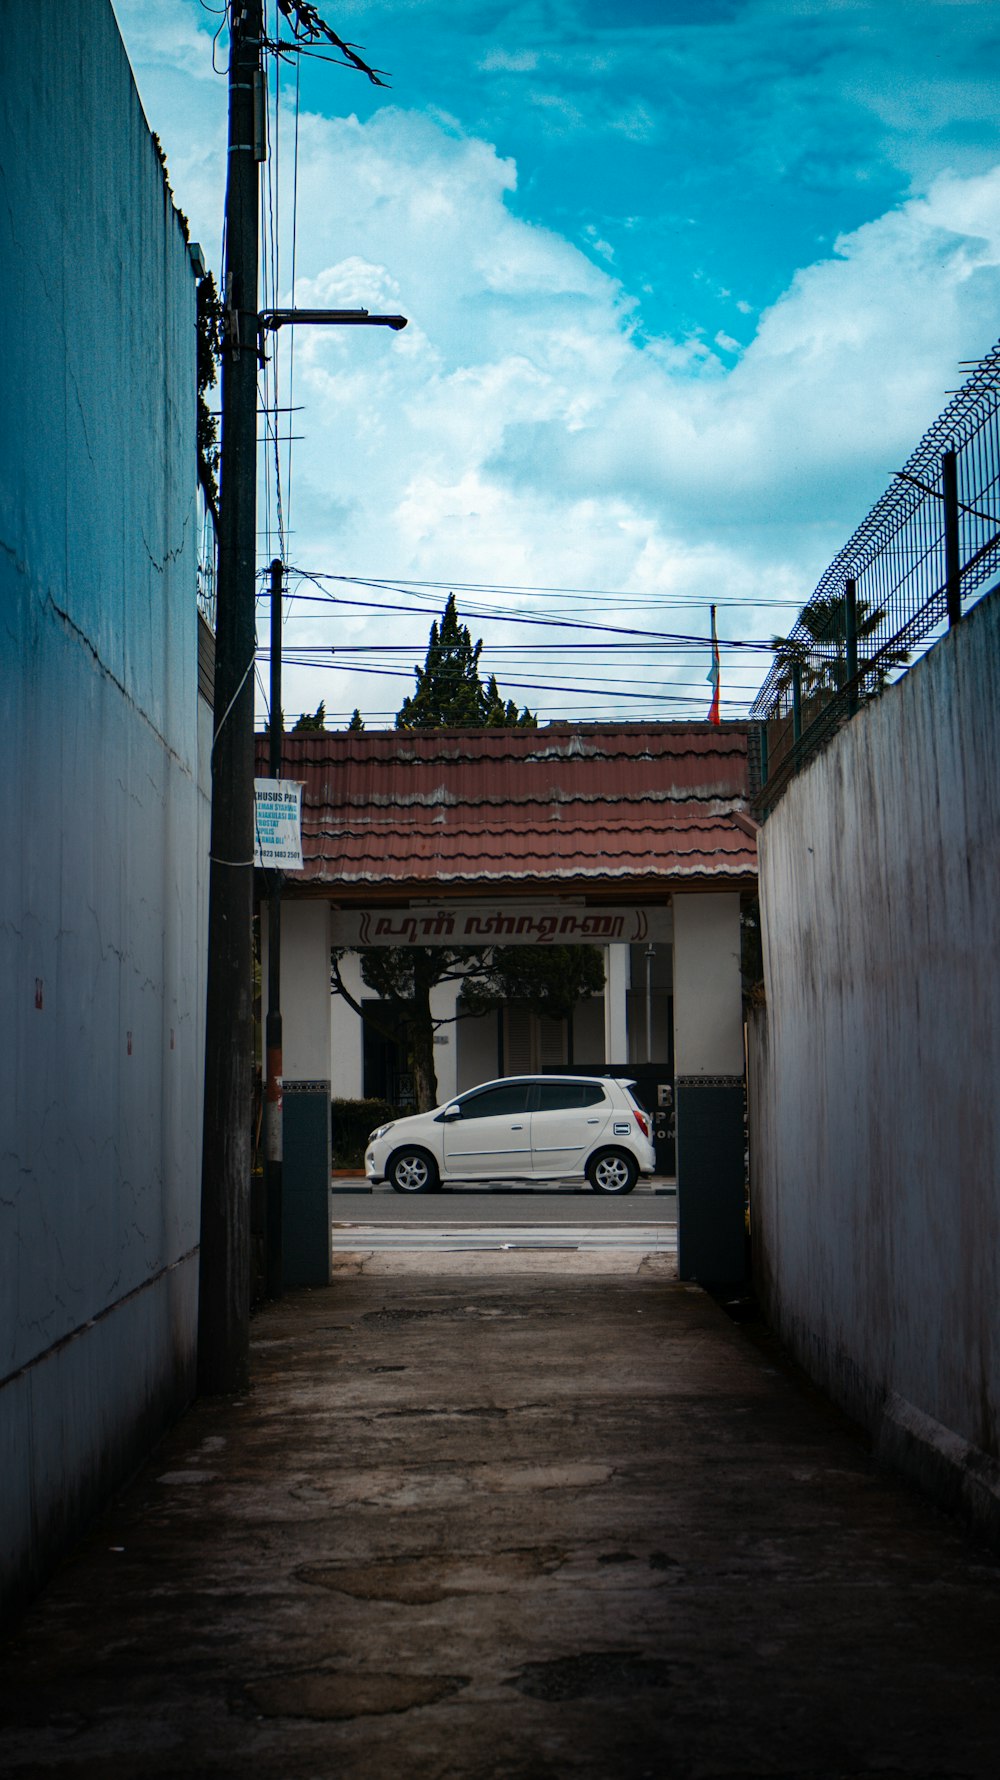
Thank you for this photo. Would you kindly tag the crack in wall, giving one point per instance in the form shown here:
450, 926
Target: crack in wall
170, 555
109, 674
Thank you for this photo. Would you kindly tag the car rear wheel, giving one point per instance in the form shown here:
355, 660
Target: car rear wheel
413, 1171
612, 1171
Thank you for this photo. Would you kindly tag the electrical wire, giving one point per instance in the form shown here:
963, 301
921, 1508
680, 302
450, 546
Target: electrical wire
402, 584
526, 618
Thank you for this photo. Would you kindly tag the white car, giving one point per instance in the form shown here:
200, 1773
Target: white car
523, 1128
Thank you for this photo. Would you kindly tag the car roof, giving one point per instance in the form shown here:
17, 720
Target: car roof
501, 1081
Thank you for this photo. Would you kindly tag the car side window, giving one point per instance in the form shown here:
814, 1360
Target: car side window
563, 1096
509, 1097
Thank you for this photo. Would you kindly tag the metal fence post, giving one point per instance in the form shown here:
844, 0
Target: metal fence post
952, 561
851, 640
796, 702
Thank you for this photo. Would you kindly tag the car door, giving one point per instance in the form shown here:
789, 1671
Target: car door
491, 1140
567, 1120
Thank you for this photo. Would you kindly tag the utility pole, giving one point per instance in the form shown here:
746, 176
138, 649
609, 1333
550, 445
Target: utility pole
273, 1117
224, 1309
224, 1278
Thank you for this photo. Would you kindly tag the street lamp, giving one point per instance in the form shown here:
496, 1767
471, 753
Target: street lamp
270, 320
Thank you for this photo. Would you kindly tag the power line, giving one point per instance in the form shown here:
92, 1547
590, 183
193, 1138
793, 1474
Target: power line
528, 618
401, 583
533, 686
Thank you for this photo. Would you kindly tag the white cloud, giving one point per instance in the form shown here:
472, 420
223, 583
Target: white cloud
521, 430
846, 371
522, 61
534, 440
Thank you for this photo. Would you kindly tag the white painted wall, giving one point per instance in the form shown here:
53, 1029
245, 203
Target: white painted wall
708, 1010
305, 992
443, 1000
616, 986
102, 920
876, 1113
346, 1041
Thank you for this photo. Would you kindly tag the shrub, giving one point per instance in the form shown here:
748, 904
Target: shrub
351, 1122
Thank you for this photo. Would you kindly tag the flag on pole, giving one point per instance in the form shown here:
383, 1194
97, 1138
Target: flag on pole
714, 676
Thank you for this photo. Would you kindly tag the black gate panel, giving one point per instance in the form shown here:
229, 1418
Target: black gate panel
711, 1197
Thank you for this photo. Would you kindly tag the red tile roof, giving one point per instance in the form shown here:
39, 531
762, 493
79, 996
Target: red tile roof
586, 805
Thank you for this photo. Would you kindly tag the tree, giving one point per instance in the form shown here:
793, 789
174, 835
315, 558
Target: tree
357, 721
404, 976
504, 714
306, 724
550, 980
450, 693
209, 316
821, 655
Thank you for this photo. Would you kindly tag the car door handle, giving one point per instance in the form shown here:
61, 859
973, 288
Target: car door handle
593, 1121
517, 1127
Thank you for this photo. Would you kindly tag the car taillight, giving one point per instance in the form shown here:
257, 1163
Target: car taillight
641, 1120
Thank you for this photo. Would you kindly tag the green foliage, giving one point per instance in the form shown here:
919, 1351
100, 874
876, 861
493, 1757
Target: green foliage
751, 953
500, 714
550, 980
450, 693
307, 725
352, 1123
404, 976
396, 973
821, 655
209, 354
357, 721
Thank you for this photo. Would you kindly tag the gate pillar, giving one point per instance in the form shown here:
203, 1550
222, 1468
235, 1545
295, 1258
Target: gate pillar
708, 1094
305, 996
616, 984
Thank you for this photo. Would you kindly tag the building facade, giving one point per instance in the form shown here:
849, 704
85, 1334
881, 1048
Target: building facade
631, 837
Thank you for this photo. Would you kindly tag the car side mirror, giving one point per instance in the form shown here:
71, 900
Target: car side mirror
450, 1113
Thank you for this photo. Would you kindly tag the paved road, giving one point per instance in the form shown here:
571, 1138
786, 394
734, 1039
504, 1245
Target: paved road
353, 1203
477, 1238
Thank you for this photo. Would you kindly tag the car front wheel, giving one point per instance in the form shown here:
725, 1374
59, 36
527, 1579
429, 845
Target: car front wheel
612, 1171
412, 1171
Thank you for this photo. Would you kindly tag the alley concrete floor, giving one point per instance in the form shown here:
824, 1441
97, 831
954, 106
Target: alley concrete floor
512, 1527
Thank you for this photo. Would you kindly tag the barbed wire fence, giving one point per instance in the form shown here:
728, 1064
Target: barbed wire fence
920, 559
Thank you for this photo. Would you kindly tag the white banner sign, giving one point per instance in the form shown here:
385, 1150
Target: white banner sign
278, 824
500, 924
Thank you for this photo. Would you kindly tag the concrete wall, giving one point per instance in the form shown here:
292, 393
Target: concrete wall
708, 1012
346, 1044
305, 989
100, 922
616, 987
875, 1106
709, 1087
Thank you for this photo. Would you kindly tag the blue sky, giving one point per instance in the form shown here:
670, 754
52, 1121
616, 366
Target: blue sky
685, 282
